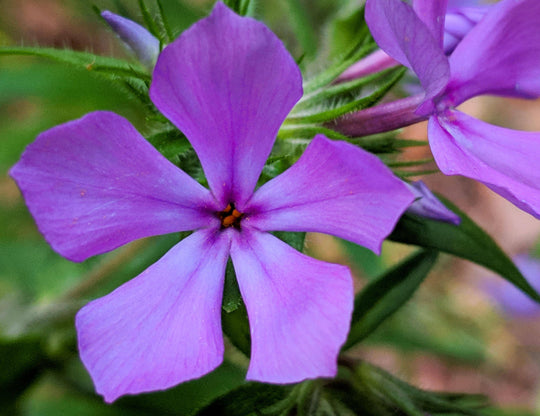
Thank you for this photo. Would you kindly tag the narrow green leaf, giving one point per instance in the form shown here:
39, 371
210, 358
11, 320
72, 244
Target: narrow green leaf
325, 114
165, 22
385, 143
362, 49
294, 239
344, 28
384, 296
170, 143
408, 163
406, 174
21, 361
235, 325
406, 399
467, 241
188, 397
363, 259
308, 131
249, 399
97, 11
232, 299
344, 90
149, 21
102, 65
121, 9
241, 7
302, 27
139, 90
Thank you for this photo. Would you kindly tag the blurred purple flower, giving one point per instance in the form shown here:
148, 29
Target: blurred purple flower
500, 56
140, 41
461, 16
512, 300
428, 205
95, 183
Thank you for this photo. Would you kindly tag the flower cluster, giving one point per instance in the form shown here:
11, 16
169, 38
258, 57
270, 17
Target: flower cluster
498, 55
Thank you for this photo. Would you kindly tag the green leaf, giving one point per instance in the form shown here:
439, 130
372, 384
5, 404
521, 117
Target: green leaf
384, 296
343, 30
150, 22
402, 398
328, 111
364, 260
428, 330
164, 22
102, 65
295, 240
21, 362
364, 46
303, 27
345, 91
232, 299
467, 241
170, 143
187, 398
508, 412
309, 398
241, 7
250, 399
235, 325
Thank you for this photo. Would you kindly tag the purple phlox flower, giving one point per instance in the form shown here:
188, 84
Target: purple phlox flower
460, 18
428, 205
500, 56
509, 298
95, 183
136, 38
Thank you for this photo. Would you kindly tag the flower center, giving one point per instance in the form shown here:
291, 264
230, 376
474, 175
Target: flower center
230, 217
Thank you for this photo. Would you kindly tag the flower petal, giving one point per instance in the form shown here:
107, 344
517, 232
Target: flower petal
401, 34
95, 183
500, 55
161, 328
334, 188
459, 22
299, 308
432, 13
505, 160
228, 83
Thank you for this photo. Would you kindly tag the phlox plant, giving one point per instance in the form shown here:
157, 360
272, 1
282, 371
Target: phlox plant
243, 150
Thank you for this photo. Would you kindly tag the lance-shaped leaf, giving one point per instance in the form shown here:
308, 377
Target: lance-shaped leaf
102, 65
336, 107
248, 399
385, 295
467, 241
22, 361
401, 398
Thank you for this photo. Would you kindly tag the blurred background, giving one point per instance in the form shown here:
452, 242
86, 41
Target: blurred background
456, 334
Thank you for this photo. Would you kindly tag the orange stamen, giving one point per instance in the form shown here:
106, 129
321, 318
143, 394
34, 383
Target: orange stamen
228, 221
